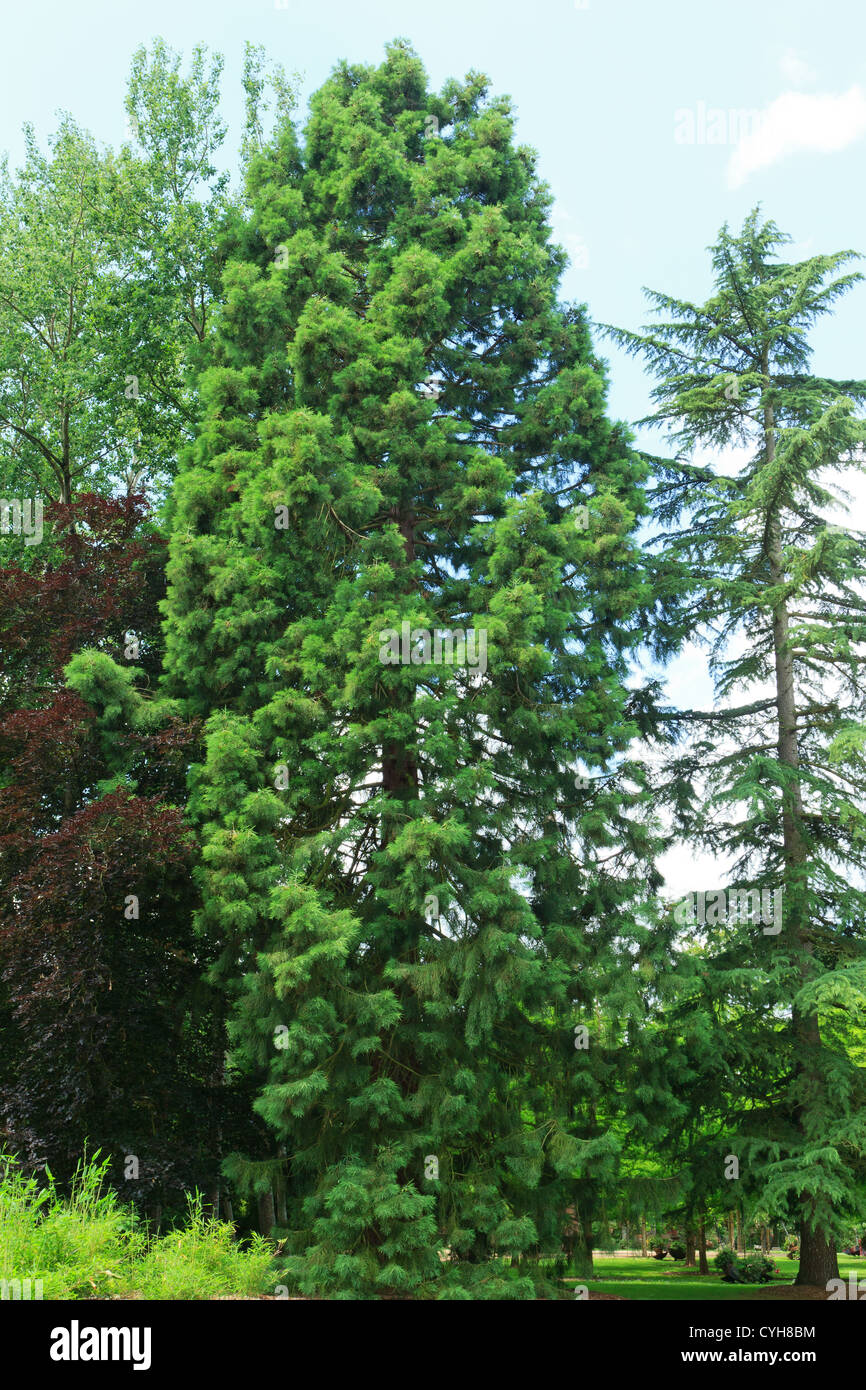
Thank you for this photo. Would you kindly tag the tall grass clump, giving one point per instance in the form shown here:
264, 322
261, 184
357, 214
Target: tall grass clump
202, 1260
88, 1244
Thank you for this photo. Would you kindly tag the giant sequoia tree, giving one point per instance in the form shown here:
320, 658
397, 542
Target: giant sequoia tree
415, 905
770, 575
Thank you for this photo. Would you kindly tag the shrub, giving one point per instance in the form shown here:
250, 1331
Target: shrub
89, 1245
203, 1259
754, 1269
74, 1245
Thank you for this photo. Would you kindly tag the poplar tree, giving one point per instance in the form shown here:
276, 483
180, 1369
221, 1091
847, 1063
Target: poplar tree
768, 572
107, 273
403, 588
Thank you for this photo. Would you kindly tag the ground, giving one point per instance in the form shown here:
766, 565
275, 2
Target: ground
646, 1278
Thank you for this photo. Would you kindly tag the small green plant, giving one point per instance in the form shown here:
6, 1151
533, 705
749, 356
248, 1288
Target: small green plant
73, 1244
202, 1259
87, 1244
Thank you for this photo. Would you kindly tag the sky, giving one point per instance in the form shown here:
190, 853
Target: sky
640, 113
655, 124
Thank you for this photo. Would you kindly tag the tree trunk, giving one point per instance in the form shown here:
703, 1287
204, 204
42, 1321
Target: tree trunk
690, 1246
65, 462
399, 772
267, 1219
805, 1027
643, 1249
582, 1257
703, 1267
818, 1262
731, 1229
280, 1187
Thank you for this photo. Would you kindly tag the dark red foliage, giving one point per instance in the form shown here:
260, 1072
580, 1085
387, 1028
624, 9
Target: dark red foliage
97, 575
106, 1033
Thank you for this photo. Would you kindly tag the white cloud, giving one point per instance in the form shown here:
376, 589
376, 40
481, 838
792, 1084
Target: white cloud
688, 869
574, 244
795, 69
794, 122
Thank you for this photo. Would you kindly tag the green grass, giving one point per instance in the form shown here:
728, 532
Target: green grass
645, 1278
90, 1245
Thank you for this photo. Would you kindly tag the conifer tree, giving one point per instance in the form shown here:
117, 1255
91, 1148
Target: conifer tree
403, 588
765, 570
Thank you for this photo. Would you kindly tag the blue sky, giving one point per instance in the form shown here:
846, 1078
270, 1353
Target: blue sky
605, 91
655, 123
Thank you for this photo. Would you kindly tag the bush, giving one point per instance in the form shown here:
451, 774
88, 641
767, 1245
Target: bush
757, 1269
89, 1245
74, 1245
753, 1269
203, 1259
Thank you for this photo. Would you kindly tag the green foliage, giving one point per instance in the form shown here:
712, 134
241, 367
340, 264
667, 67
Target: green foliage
109, 263
72, 1245
461, 1028
753, 1269
398, 422
767, 1013
90, 1245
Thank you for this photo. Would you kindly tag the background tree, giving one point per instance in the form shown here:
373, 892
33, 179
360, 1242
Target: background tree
108, 266
108, 1032
774, 586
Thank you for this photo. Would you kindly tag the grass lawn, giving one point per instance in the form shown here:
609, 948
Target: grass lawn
639, 1278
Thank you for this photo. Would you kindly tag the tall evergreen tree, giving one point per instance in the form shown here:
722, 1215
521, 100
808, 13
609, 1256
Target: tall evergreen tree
418, 865
763, 573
